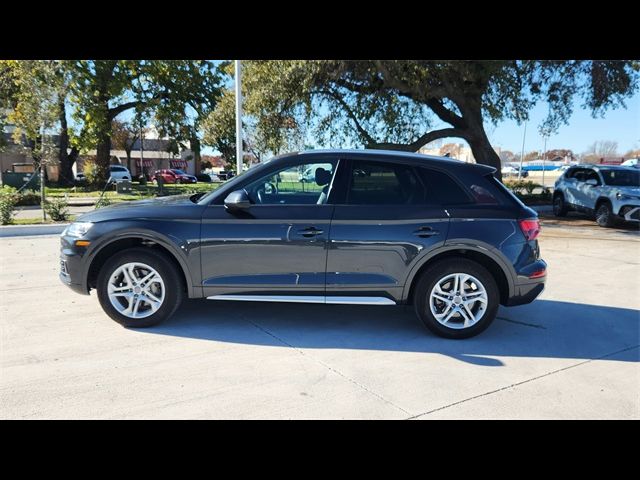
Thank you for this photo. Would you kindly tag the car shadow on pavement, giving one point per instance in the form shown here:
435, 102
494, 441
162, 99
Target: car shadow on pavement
544, 329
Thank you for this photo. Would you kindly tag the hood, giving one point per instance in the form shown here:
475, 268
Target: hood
170, 207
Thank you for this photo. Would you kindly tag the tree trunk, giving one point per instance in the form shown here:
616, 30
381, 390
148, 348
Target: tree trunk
195, 148
128, 152
103, 156
483, 152
66, 173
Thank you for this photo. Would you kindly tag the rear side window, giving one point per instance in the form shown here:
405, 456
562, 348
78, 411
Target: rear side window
483, 195
377, 183
441, 188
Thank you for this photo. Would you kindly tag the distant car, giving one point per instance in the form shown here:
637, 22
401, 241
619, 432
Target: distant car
173, 175
117, 172
80, 177
632, 162
226, 175
606, 191
512, 171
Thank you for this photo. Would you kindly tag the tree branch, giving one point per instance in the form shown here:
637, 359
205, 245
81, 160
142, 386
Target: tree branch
337, 97
115, 111
421, 141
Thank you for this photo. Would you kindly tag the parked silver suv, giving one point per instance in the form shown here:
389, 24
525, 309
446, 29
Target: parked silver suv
608, 192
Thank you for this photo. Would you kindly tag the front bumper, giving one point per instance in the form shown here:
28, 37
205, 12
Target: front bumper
71, 266
631, 213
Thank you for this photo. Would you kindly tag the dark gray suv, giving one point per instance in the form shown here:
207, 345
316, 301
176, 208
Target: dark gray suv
366, 228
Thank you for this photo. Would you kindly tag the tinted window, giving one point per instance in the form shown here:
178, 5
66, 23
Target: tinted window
621, 178
297, 185
375, 183
442, 189
483, 195
118, 169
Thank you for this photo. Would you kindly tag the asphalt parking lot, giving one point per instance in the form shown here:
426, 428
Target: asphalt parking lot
574, 353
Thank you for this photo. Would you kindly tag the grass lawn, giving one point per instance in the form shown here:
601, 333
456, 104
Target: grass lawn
38, 221
138, 191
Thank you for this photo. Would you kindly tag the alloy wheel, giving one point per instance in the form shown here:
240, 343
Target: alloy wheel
458, 301
136, 290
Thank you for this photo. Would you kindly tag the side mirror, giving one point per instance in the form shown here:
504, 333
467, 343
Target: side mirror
592, 181
237, 201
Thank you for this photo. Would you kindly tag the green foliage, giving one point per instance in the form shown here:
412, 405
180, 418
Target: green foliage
522, 186
28, 197
8, 202
104, 201
91, 173
57, 209
392, 104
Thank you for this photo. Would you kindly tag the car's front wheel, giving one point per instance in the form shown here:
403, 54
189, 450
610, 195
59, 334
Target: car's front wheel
139, 287
604, 215
456, 298
559, 206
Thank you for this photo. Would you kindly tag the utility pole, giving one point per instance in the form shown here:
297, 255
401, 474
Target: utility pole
42, 199
544, 157
238, 117
142, 151
522, 153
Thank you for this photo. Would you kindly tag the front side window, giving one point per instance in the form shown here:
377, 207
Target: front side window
306, 184
376, 183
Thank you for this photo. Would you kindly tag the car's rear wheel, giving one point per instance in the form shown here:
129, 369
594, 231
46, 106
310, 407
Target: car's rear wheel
456, 298
178, 181
139, 287
559, 206
604, 215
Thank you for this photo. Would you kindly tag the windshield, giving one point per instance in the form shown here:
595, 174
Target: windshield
621, 178
179, 172
118, 169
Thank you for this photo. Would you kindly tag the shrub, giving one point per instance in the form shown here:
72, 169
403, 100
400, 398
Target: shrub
90, 171
57, 209
103, 202
28, 197
8, 201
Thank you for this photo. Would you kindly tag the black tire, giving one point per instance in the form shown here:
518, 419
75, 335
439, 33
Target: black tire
178, 181
441, 269
604, 215
174, 288
559, 206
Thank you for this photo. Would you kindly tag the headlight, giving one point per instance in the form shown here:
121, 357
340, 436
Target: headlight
626, 196
78, 229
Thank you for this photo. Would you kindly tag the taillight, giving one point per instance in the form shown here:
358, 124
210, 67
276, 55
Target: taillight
530, 228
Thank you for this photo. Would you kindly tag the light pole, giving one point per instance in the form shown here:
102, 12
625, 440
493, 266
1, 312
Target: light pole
544, 157
42, 167
522, 152
238, 117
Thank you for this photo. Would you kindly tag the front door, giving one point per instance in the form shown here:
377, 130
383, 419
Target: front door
279, 245
385, 223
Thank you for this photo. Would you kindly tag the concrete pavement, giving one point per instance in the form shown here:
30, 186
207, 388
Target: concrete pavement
574, 353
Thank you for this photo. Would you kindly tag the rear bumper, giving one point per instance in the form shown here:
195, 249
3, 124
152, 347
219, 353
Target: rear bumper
525, 293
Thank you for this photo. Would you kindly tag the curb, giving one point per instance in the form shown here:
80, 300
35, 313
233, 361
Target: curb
31, 230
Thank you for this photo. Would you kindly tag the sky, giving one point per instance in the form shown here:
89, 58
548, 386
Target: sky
620, 125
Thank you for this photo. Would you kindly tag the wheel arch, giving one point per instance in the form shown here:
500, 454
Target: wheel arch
132, 239
487, 259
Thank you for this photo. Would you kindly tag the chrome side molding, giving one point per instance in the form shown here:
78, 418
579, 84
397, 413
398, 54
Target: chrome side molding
307, 299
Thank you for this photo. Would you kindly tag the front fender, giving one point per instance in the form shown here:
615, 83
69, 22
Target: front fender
182, 243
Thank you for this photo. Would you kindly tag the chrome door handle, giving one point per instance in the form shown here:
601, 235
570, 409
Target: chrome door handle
310, 232
425, 232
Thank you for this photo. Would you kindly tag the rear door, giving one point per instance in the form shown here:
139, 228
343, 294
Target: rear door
385, 220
